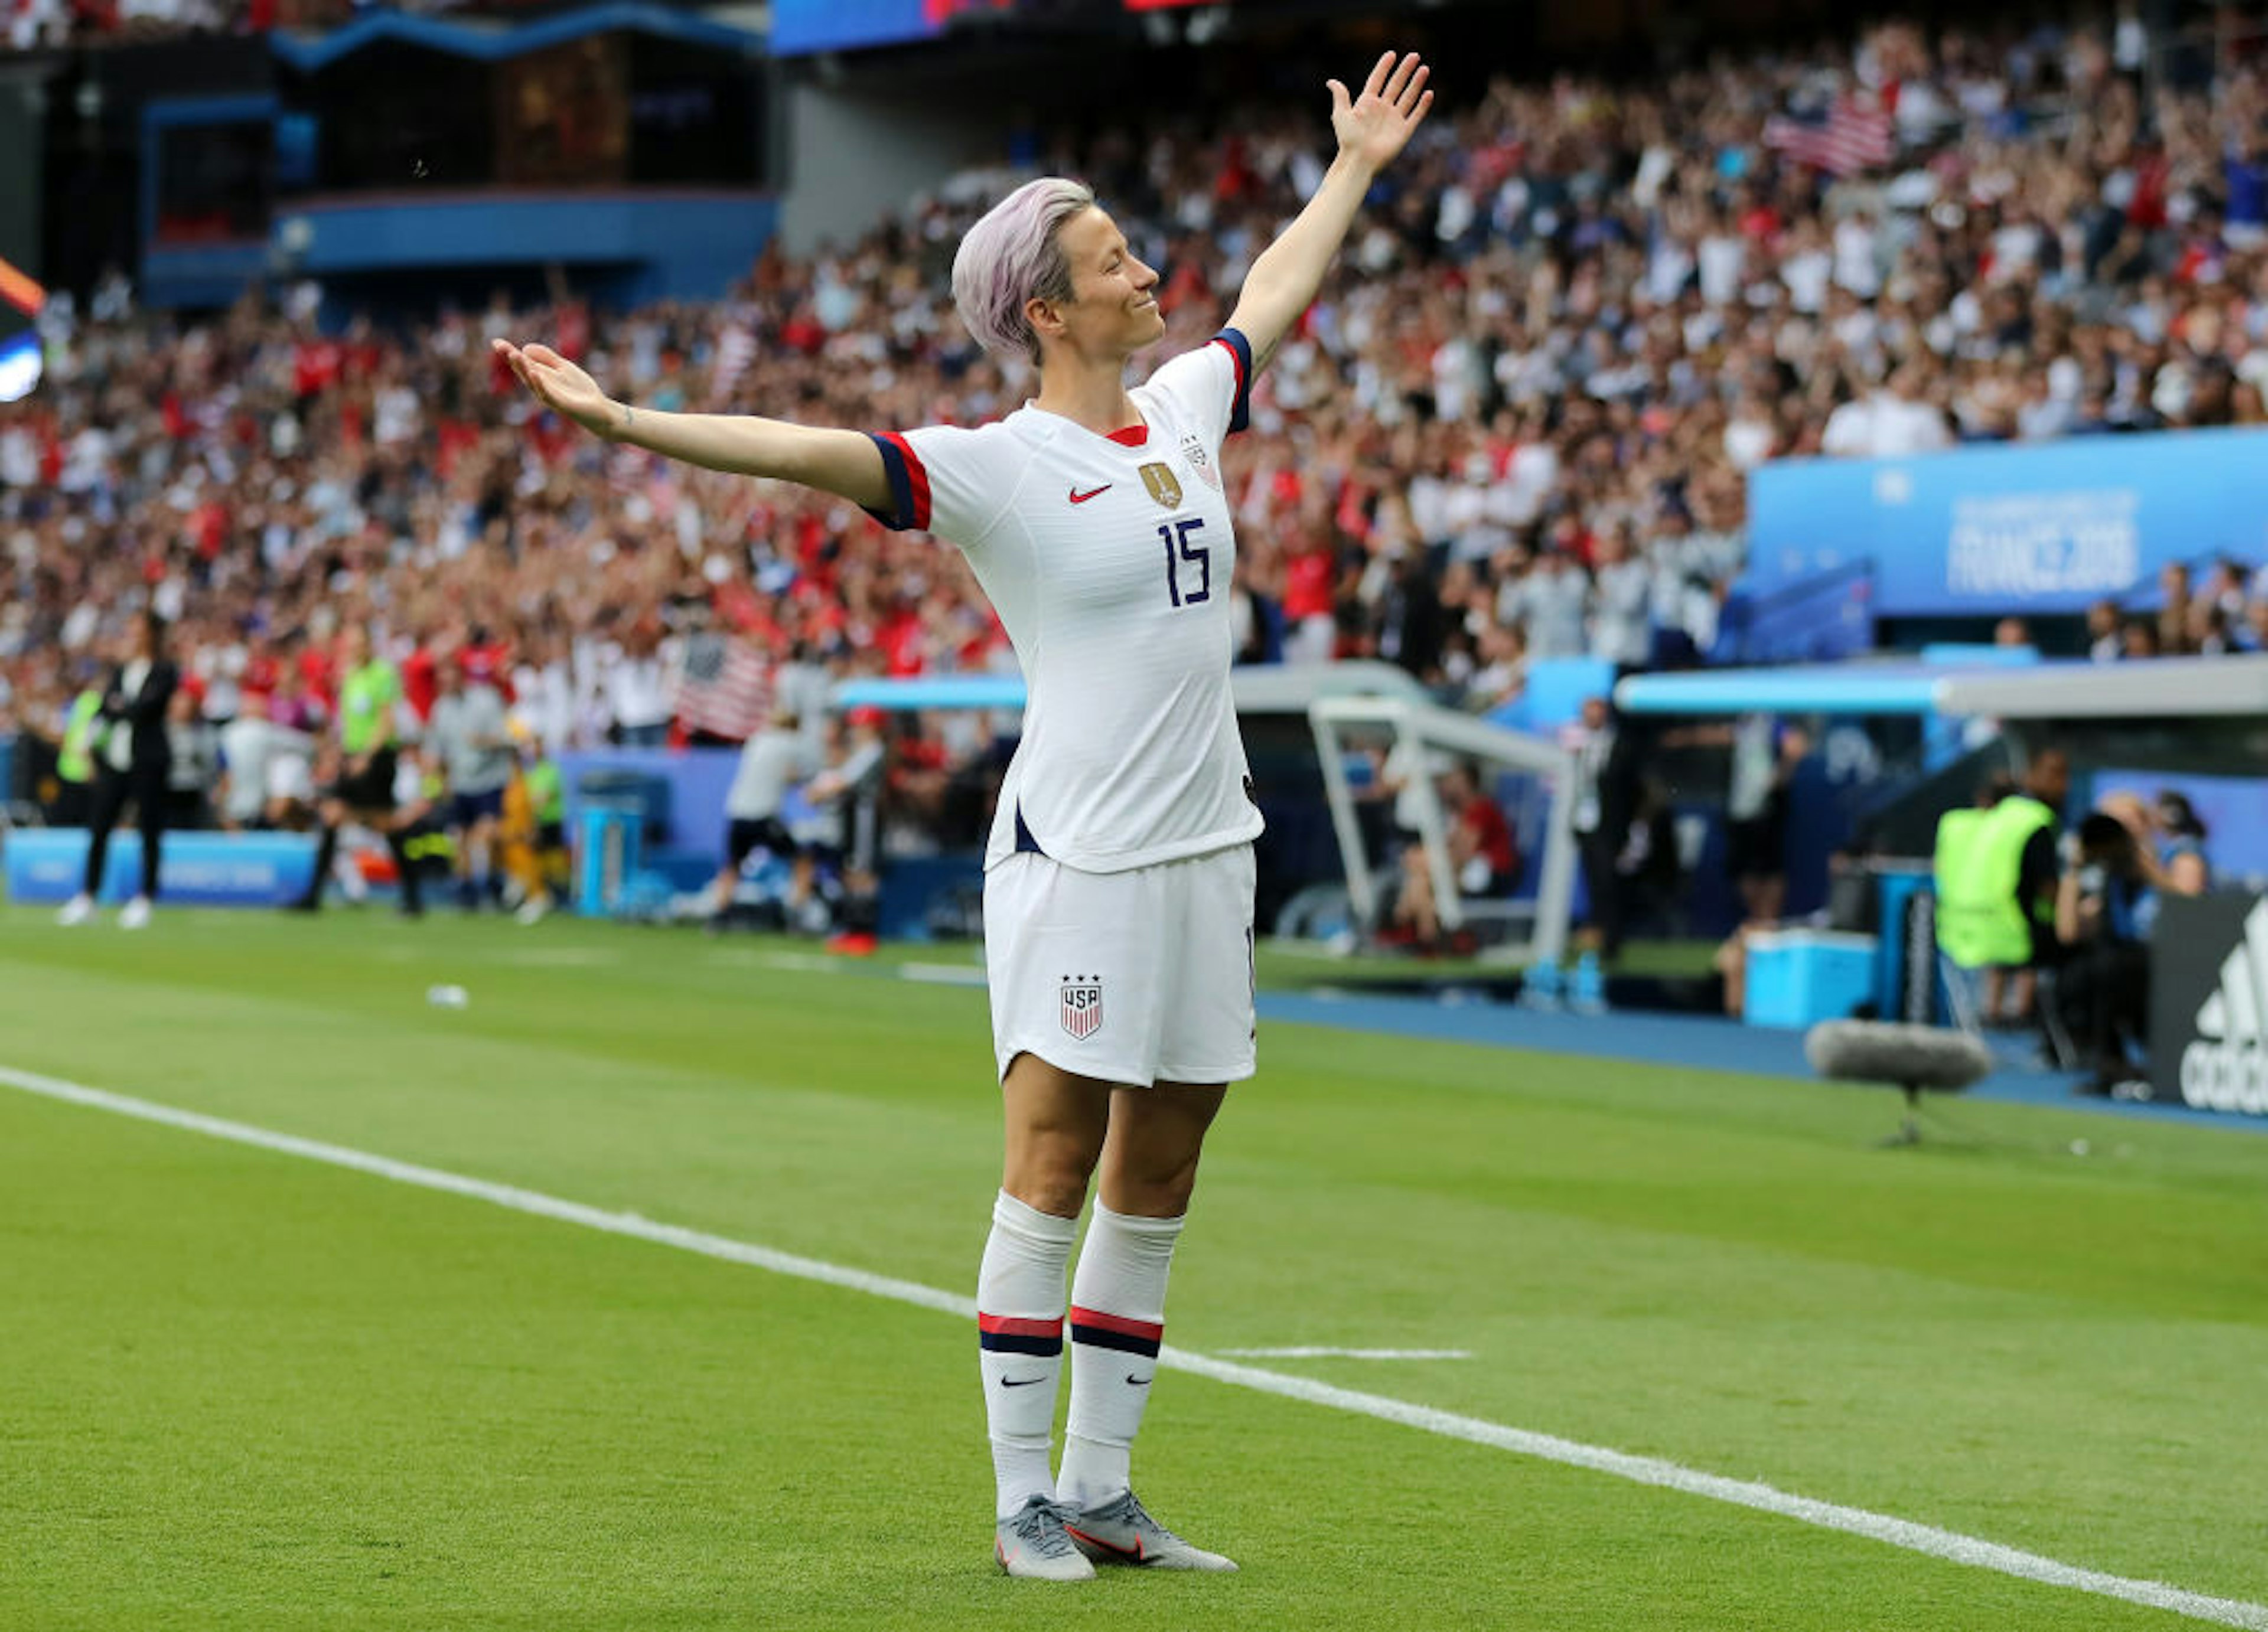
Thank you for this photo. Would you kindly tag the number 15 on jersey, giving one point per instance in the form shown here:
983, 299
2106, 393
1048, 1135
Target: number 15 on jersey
1181, 553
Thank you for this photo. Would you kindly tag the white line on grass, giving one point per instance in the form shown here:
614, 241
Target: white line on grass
802, 963
1309, 1351
1928, 1539
942, 973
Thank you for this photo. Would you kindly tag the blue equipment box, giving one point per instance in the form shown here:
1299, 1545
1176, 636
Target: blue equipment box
1799, 977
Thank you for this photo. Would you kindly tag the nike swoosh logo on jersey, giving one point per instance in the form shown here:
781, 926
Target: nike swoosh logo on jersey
1078, 497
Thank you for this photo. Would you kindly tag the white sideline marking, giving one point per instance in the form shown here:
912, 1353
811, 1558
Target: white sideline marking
560, 957
1309, 1351
1927, 1539
942, 973
802, 963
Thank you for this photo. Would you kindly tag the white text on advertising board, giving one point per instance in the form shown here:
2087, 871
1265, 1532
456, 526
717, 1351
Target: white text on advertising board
2072, 543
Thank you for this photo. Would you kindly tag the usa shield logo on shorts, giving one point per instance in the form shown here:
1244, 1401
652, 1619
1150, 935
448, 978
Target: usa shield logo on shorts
1081, 1005
1165, 487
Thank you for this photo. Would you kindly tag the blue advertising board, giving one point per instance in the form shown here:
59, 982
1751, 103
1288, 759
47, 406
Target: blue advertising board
45, 864
801, 26
697, 780
2234, 810
1978, 532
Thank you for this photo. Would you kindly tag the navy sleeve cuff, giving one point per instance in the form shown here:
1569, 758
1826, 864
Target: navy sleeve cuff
1240, 411
909, 484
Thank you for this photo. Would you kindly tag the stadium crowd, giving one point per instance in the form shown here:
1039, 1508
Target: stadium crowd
1585, 313
53, 25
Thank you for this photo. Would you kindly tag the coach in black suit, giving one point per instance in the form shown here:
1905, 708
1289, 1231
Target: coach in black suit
134, 759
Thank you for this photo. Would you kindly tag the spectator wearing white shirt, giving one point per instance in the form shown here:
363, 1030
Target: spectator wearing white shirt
637, 691
1621, 626
1547, 604
1893, 423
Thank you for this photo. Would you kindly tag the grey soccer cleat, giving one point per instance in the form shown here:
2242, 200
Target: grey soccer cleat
1121, 1531
1032, 1542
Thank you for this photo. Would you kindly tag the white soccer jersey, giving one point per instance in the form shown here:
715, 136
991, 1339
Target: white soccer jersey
1108, 559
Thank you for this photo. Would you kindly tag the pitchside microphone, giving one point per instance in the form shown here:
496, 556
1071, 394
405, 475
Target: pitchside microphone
1915, 1058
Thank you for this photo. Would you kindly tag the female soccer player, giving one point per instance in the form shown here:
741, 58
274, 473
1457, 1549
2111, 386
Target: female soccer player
1119, 875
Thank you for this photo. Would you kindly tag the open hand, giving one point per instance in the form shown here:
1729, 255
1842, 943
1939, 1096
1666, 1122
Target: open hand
562, 386
1375, 126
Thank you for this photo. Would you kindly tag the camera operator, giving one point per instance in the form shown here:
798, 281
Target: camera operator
2104, 987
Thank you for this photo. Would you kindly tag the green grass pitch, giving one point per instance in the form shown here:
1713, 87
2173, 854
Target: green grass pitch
243, 1390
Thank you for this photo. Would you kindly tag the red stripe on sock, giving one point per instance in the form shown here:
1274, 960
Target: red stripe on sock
1012, 1326
1150, 1331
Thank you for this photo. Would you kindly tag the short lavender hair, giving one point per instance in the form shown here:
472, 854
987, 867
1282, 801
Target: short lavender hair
1013, 255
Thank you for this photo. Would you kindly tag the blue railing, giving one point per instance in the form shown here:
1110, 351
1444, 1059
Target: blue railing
1824, 618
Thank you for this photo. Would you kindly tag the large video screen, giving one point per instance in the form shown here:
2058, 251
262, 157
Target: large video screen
20, 299
563, 114
213, 182
606, 110
395, 115
696, 116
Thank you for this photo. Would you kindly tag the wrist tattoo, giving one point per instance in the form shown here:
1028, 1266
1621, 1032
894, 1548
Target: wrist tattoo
629, 418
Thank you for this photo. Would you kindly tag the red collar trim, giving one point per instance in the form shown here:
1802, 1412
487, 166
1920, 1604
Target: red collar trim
1131, 437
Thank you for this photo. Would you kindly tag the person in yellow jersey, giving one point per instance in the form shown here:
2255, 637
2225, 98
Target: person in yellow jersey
534, 835
368, 759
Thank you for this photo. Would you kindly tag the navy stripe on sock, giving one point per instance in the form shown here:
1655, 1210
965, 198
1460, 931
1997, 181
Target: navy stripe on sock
1103, 1337
1017, 1343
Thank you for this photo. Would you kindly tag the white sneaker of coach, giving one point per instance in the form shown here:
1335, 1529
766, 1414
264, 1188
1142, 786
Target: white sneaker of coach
75, 911
136, 915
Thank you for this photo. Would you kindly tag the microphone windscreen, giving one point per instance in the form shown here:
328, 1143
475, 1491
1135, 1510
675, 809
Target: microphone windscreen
1879, 1051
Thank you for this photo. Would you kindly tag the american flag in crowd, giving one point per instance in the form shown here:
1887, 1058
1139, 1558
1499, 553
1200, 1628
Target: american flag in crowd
736, 348
1846, 137
723, 687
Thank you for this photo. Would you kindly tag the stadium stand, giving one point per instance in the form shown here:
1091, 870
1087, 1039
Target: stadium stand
1591, 329
1589, 310
30, 25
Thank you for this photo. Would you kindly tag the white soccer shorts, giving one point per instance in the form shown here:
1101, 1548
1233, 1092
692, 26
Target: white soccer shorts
1139, 977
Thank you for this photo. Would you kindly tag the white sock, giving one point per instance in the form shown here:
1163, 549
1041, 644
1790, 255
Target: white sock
1117, 1322
1020, 1302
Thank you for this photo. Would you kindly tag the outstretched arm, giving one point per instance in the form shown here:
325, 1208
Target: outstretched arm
844, 462
1372, 130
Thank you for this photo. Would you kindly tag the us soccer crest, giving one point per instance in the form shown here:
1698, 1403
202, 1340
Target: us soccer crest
1193, 450
1079, 1005
1164, 486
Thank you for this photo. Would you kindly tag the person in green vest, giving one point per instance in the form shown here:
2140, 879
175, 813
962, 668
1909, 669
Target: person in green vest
75, 758
368, 728
1963, 907
1996, 868
428, 844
